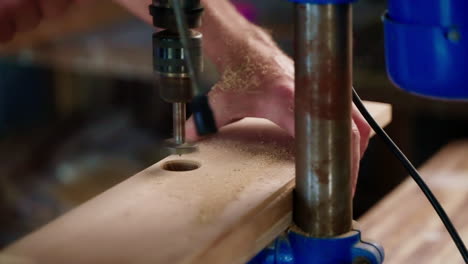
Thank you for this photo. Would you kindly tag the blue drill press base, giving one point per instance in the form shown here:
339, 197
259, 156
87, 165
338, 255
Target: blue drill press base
297, 248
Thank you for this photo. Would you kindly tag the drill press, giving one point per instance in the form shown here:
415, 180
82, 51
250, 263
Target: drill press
426, 53
322, 209
323, 231
177, 60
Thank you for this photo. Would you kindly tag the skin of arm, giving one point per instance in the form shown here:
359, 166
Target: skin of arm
257, 78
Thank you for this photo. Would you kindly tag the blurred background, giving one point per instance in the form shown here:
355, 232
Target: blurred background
79, 111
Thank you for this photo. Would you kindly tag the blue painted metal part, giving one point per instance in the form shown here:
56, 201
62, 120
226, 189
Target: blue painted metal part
445, 13
426, 46
279, 252
323, 2
296, 248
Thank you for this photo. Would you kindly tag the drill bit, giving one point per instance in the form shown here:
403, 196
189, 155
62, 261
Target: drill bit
178, 144
179, 112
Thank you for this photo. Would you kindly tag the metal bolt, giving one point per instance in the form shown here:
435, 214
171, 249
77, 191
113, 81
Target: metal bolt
453, 35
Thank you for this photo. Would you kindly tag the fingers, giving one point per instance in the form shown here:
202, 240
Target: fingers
355, 155
276, 104
363, 128
361, 132
225, 111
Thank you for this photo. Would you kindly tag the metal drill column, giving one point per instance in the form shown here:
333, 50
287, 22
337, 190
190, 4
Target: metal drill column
323, 57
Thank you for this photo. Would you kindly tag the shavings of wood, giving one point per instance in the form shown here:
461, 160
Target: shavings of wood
245, 77
246, 68
229, 188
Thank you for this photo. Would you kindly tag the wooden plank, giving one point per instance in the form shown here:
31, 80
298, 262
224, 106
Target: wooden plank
223, 212
405, 223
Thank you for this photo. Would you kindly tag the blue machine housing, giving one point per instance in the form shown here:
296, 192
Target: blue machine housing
297, 248
426, 46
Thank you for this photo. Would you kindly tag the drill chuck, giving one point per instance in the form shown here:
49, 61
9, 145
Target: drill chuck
170, 67
164, 17
177, 60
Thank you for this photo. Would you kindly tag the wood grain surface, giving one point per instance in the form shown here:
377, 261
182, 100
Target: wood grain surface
405, 223
232, 206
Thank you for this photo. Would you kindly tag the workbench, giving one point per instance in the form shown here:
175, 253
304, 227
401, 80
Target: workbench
408, 227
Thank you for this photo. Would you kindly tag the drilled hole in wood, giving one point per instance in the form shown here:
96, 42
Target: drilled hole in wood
181, 165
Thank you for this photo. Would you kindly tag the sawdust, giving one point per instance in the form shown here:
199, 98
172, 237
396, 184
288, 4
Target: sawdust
230, 187
245, 70
227, 190
229, 170
215, 186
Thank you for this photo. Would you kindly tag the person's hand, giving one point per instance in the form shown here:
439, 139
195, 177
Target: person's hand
24, 15
258, 81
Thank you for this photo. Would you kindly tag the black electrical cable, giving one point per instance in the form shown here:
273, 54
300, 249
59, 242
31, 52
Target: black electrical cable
414, 174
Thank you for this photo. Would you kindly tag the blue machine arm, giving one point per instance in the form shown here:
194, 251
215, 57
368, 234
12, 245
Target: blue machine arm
426, 46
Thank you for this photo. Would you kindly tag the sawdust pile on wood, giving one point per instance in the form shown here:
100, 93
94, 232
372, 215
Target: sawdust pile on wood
238, 176
237, 169
230, 169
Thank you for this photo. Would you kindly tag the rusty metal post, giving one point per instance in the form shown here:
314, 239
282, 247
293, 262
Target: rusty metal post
323, 57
